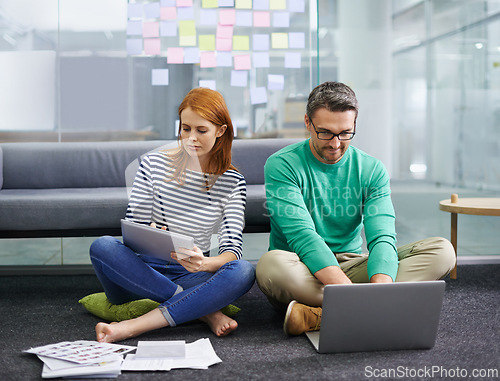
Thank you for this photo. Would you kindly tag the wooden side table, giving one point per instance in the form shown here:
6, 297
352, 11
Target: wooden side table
474, 206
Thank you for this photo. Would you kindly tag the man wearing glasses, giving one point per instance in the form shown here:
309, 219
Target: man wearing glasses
321, 193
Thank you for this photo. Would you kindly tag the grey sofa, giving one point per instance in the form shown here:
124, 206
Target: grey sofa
80, 189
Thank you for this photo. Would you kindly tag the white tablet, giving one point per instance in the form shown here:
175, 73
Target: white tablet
155, 242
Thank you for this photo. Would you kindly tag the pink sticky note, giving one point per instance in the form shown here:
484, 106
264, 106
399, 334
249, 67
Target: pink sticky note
208, 59
227, 16
151, 29
242, 62
184, 3
261, 19
224, 31
223, 44
168, 13
175, 55
152, 46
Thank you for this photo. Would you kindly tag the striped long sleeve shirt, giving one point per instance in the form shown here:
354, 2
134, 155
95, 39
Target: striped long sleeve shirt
191, 208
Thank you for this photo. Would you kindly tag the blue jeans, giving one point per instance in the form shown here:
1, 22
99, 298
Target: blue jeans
183, 296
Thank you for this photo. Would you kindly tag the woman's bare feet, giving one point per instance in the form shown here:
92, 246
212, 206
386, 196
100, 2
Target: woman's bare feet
219, 323
113, 332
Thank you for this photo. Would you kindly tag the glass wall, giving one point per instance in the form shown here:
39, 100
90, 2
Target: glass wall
447, 92
117, 70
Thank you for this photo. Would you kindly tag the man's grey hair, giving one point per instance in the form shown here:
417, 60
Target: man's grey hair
334, 96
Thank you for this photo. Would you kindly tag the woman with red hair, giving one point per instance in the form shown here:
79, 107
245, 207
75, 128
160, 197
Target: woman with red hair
193, 190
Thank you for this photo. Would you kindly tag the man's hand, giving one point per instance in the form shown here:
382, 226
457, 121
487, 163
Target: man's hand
332, 275
380, 278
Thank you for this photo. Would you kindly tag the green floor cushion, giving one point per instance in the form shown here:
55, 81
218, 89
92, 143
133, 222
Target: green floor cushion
99, 305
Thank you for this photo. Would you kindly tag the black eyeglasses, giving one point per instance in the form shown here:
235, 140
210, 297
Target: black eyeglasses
326, 135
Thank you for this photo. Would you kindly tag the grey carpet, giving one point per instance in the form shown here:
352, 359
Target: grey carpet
39, 310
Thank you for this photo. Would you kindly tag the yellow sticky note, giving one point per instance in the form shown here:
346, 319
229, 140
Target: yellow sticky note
210, 3
187, 40
277, 4
187, 28
241, 43
243, 4
279, 40
206, 41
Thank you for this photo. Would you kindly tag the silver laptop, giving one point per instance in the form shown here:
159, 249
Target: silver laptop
144, 239
379, 316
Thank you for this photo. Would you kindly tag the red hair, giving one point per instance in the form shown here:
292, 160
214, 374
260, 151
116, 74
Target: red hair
210, 105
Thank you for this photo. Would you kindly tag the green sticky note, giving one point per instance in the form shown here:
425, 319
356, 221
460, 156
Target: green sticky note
209, 3
241, 43
206, 41
279, 40
243, 4
187, 28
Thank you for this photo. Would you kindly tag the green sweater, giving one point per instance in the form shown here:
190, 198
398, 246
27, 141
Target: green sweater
319, 209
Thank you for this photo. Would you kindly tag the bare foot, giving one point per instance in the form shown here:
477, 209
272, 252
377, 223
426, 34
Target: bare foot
219, 323
110, 333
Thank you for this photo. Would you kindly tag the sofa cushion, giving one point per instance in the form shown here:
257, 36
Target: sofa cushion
62, 209
71, 165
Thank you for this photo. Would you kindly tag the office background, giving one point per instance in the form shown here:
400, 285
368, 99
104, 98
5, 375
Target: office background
426, 73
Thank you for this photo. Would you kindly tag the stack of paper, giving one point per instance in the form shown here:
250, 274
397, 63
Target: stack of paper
198, 355
81, 358
104, 360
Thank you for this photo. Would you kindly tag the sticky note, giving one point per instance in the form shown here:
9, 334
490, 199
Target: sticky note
293, 60
187, 40
134, 28
281, 19
298, 6
134, 46
152, 10
185, 13
175, 55
296, 40
151, 29
243, 4
261, 19
207, 59
260, 42
242, 62
209, 4
191, 55
241, 43
227, 17
159, 77
187, 28
261, 4
258, 95
226, 3
279, 40
152, 46
168, 28
275, 82
167, 3
208, 17
184, 3
260, 59
224, 44
134, 11
277, 4
206, 41
224, 31
224, 59
208, 83
244, 18
239, 78
168, 13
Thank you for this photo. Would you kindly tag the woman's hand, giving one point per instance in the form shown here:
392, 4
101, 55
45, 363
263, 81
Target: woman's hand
192, 260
